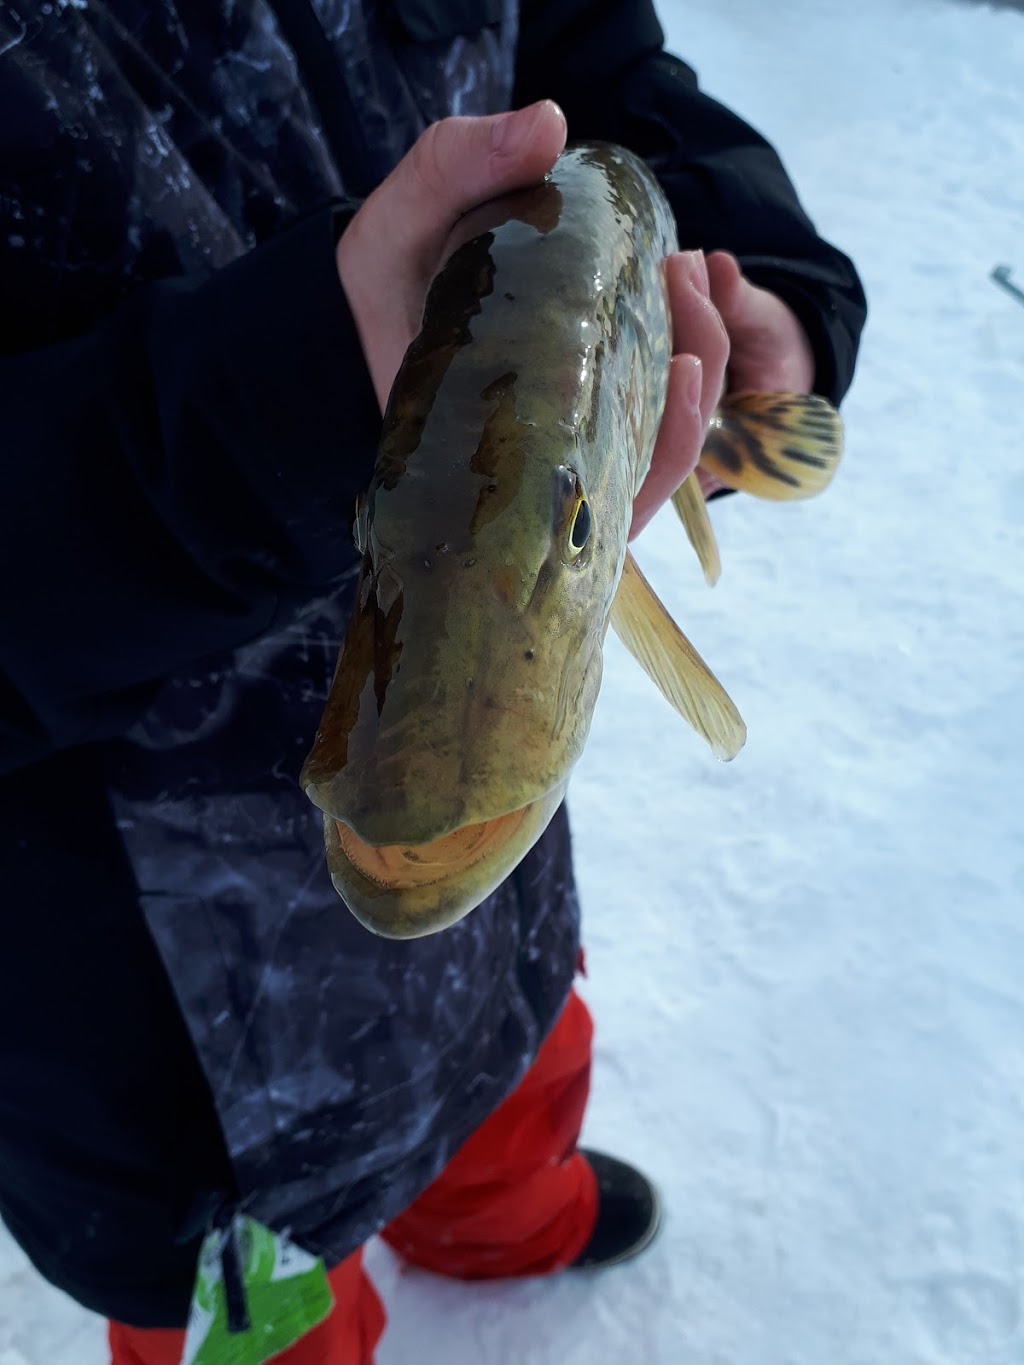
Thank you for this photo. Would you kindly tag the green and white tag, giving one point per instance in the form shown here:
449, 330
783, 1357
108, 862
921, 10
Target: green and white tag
286, 1294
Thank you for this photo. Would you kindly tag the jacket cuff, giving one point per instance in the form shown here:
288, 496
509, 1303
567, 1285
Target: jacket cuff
286, 349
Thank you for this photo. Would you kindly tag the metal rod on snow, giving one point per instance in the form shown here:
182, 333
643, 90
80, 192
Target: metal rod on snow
1001, 275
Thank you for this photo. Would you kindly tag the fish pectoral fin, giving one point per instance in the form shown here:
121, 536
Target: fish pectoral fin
688, 500
666, 655
774, 445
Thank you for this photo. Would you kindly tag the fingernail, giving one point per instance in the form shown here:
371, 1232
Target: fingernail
513, 132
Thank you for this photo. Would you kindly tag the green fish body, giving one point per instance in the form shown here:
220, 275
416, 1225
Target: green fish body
494, 540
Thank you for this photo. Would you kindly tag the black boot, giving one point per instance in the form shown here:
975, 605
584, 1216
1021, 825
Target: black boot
628, 1213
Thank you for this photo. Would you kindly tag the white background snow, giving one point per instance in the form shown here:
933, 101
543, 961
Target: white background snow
807, 967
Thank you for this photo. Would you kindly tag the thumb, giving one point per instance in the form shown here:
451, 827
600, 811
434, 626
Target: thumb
392, 248
461, 162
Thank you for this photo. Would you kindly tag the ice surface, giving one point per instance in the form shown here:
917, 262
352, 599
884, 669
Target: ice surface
808, 967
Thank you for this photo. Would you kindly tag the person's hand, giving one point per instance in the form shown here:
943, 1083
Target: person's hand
728, 335
391, 250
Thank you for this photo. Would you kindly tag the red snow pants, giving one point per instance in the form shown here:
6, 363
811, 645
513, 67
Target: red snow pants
516, 1199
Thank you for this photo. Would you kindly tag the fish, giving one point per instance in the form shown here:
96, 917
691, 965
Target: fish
493, 542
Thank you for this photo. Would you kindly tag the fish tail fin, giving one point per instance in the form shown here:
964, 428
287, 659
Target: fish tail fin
774, 445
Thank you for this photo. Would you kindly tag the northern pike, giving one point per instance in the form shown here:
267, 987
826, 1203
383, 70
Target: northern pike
494, 542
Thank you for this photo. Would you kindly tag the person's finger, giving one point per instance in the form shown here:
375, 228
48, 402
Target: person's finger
697, 328
679, 439
696, 377
770, 350
724, 279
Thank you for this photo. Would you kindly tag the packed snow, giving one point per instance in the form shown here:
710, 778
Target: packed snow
807, 967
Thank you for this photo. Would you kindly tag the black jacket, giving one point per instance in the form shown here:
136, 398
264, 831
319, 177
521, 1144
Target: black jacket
188, 1017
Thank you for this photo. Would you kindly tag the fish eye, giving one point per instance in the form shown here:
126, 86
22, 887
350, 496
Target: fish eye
574, 517
580, 527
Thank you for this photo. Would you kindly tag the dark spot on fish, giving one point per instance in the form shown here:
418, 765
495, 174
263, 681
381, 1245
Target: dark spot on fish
809, 457
589, 423
511, 297
499, 457
528, 656
442, 549
721, 448
453, 302
735, 446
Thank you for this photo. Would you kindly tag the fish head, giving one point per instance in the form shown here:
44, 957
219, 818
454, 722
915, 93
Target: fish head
467, 681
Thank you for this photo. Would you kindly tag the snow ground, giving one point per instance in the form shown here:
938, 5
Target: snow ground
808, 967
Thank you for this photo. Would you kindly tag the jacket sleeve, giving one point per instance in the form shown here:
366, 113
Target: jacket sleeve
602, 60
174, 481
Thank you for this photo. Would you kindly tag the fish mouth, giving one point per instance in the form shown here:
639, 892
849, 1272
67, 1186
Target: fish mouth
411, 890
408, 865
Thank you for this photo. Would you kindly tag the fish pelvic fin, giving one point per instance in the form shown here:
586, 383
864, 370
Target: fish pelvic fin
780, 446
688, 500
644, 626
